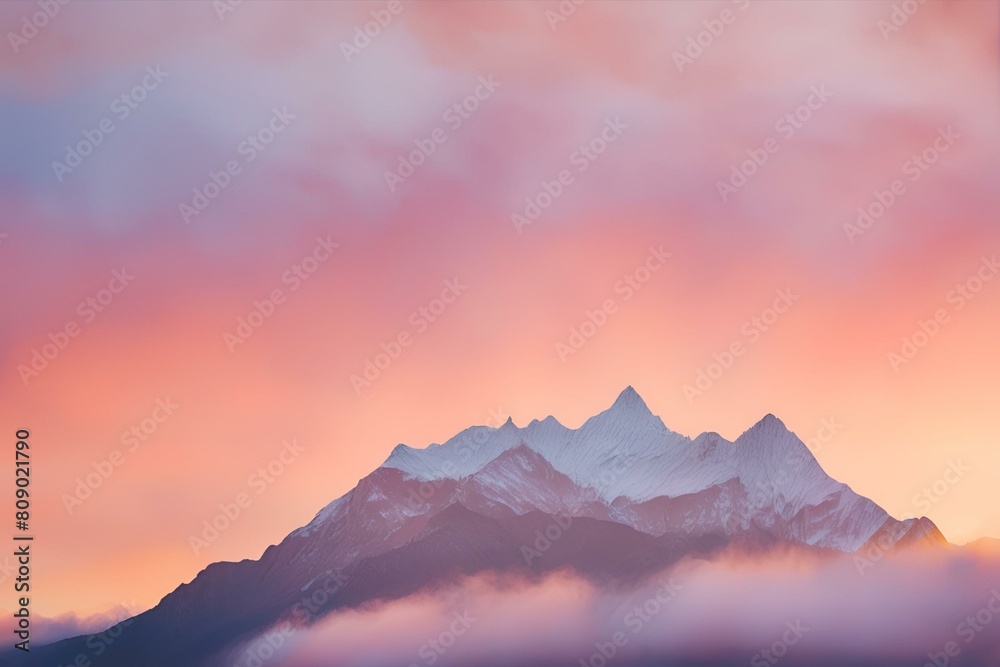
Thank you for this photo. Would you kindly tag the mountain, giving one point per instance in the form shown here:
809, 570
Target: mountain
637, 468
618, 498
985, 545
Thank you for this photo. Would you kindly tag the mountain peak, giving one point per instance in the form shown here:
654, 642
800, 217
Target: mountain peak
770, 425
631, 400
769, 418
771, 434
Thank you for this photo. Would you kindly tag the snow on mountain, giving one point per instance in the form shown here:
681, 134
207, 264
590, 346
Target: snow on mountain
621, 439
523, 480
641, 497
622, 460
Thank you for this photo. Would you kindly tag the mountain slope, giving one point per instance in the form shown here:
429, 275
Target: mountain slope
623, 493
626, 455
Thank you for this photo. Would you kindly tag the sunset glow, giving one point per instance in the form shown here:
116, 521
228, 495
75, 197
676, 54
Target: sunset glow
252, 256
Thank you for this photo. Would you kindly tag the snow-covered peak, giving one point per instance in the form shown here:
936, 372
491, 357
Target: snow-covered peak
626, 456
646, 458
630, 400
461, 456
628, 414
770, 440
626, 451
769, 426
628, 408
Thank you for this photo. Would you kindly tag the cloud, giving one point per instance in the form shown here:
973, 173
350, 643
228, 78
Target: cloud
812, 609
46, 630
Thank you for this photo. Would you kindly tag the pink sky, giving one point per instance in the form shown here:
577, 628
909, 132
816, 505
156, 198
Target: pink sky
342, 124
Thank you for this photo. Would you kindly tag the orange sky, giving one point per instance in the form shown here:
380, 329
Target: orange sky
495, 347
